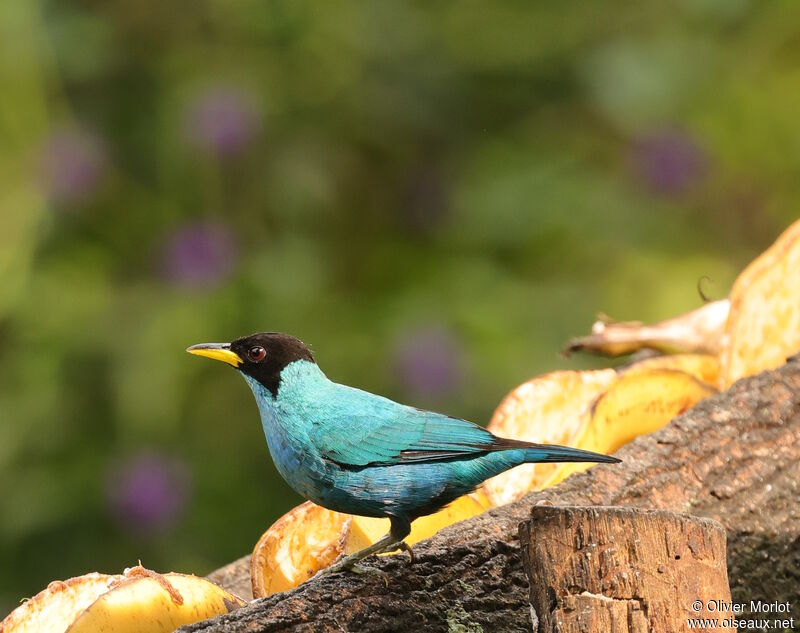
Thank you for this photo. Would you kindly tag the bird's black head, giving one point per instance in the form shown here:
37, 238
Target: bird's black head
262, 356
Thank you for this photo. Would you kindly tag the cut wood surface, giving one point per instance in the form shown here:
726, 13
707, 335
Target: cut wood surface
623, 570
734, 458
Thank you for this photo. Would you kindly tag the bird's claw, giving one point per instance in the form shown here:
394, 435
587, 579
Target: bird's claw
405, 547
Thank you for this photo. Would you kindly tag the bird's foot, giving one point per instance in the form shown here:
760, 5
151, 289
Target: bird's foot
388, 543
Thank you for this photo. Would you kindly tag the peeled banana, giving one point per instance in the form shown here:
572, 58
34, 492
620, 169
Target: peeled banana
147, 602
139, 601
56, 607
638, 403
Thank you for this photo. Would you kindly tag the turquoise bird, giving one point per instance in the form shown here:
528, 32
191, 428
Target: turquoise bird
355, 452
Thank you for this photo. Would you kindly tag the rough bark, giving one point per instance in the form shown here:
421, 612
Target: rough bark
622, 570
734, 458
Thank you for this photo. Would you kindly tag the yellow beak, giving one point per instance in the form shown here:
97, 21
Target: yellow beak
217, 351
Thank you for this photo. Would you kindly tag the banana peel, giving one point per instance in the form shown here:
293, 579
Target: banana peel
638, 403
699, 331
704, 367
641, 402
140, 600
763, 326
310, 538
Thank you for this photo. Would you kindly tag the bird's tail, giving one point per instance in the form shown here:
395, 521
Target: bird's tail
551, 452
554, 453
506, 453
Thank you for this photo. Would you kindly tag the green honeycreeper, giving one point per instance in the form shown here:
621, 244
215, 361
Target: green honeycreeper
355, 452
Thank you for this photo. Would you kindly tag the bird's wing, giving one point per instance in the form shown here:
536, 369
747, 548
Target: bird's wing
364, 429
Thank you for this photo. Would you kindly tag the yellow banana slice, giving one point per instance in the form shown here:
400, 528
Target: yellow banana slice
294, 548
55, 608
147, 602
640, 402
704, 367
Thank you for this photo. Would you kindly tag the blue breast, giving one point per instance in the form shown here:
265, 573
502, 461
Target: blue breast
304, 402
287, 432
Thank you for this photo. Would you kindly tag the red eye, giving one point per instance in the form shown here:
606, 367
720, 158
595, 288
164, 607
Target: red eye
257, 354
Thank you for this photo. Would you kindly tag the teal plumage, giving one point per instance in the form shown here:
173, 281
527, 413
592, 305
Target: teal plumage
359, 453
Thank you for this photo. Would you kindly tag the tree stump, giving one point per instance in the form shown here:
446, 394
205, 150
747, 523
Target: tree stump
622, 570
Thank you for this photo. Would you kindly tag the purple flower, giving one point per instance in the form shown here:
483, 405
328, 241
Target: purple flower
669, 162
428, 361
72, 165
147, 493
199, 255
222, 120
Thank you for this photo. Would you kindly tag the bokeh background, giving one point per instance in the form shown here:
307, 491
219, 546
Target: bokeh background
435, 195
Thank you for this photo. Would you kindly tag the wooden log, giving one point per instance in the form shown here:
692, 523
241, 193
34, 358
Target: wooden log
735, 458
622, 570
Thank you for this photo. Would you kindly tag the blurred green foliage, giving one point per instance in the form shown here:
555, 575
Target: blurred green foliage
434, 195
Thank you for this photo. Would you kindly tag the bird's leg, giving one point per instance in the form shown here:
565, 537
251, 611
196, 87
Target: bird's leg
401, 527
387, 543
